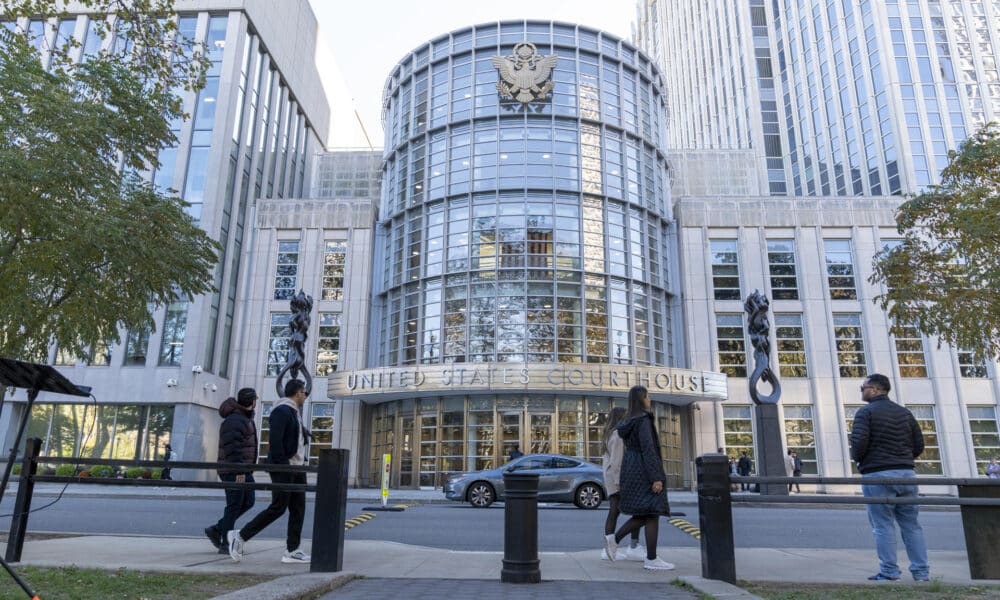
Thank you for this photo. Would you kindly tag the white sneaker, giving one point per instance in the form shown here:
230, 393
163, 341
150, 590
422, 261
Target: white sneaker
610, 547
296, 556
638, 553
619, 556
235, 544
657, 564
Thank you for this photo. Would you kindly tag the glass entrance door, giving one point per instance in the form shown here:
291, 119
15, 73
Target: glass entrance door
510, 434
539, 433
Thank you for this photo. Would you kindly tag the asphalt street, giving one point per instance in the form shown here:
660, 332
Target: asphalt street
461, 527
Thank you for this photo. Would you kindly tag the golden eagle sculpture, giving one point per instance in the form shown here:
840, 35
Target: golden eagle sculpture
524, 75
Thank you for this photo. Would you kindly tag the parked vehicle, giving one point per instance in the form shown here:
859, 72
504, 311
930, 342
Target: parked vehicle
560, 479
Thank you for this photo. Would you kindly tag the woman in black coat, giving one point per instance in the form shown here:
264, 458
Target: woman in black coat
642, 494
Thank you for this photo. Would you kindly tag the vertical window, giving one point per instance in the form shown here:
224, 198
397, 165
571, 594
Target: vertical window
571, 427
985, 435
840, 270
928, 463
100, 355
737, 426
174, 328
791, 345
328, 348
480, 435
731, 344
264, 434
799, 436
850, 410
321, 426
287, 272
65, 357
781, 267
725, 270
333, 270
970, 367
136, 345
910, 353
277, 344
850, 345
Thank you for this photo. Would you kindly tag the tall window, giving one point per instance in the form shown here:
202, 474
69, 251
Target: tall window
791, 345
799, 435
737, 426
840, 270
781, 266
929, 462
850, 345
849, 411
333, 270
725, 270
264, 434
288, 270
985, 435
910, 353
970, 367
731, 344
277, 344
328, 347
174, 328
321, 427
136, 346
99, 355
65, 357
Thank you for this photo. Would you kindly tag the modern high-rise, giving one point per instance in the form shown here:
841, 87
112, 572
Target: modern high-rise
831, 97
253, 130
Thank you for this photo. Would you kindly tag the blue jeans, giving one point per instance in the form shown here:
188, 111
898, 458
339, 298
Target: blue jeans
883, 518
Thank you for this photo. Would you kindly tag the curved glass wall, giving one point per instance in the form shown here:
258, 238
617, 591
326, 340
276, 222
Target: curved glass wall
525, 233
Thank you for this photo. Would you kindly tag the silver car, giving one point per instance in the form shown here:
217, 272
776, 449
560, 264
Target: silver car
560, 479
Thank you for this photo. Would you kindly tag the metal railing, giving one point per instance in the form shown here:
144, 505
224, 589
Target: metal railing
330, 489
979, 500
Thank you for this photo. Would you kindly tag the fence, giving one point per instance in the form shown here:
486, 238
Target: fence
979, 499
330, 489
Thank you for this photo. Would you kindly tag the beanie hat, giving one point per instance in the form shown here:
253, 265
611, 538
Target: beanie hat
246, 397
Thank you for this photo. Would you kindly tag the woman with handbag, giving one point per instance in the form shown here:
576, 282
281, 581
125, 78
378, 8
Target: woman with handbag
611, 464
641, 484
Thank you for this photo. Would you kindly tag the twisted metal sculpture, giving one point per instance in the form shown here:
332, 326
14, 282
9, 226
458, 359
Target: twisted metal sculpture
756, 307
301, 305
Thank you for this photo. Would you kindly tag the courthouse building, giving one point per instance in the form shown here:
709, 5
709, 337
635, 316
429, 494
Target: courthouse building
559, 214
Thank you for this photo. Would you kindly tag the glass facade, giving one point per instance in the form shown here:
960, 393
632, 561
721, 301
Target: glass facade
512, 232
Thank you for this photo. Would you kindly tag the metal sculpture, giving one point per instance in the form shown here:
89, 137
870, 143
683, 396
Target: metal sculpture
525, 76
756, 306
301, 305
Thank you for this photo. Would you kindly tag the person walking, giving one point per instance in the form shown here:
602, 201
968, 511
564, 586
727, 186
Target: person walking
641, 485
516, 453
743, 467
885, 440
611, 464
796, 471
289, 441
789, 468
993, 469
237, 444
168, 456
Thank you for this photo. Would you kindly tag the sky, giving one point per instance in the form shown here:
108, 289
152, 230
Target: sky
366, 38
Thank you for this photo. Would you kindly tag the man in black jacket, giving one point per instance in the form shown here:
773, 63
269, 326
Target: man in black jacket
884, 441
237, 444
288, 446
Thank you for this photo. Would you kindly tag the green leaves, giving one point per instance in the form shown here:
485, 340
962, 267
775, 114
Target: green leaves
85, 244
945, 275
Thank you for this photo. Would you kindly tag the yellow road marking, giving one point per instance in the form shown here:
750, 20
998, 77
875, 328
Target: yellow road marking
358, 520
686, 527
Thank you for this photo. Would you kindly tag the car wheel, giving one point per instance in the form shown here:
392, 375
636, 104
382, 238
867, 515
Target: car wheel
588, 496
481, 494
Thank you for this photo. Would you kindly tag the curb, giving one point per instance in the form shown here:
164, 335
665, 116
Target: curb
720, 590
292, 587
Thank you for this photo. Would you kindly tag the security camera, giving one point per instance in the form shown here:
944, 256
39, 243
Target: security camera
196, 369
210, 387
171, 382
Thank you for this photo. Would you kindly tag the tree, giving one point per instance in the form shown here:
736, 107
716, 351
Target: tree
86, 244
944, 277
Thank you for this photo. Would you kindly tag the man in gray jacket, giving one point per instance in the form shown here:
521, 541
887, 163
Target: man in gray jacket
884, 441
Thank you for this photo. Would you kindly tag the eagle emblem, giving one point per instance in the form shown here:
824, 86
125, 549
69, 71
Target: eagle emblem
524, 75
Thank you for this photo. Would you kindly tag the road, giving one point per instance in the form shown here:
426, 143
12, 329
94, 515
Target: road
461, 527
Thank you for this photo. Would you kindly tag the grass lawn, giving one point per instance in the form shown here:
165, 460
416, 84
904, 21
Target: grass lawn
71, 583
935, 590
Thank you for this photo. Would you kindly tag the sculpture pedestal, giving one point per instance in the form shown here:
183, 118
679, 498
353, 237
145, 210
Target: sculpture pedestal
770, 449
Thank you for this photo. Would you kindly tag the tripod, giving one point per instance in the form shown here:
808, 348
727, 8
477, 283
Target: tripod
35, 378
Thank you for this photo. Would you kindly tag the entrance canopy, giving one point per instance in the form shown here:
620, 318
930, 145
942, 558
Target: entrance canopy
675, 386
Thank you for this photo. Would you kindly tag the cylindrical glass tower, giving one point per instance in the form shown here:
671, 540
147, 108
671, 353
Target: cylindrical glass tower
525, 224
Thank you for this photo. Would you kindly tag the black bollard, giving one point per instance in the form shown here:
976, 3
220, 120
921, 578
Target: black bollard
520, 529
982, 529
715, 518
330, 511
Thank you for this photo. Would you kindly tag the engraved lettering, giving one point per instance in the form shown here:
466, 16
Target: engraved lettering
524, 376
662, 381
554, 372
477, 377
613, 378
352, 381
572, 375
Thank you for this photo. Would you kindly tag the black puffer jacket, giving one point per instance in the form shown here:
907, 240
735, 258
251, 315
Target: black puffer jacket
237, 436
641, 466
885, 436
